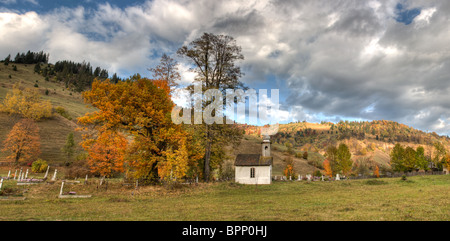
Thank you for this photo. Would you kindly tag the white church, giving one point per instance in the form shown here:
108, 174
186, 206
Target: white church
255, 168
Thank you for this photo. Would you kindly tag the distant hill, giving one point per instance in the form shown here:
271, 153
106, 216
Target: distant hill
369, 142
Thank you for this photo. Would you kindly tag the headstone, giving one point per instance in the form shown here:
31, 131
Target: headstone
26, 175
61, 191
299, 177
15, 175
308, 177
54, 175
20, 175
323, 178
290, 178
9, 173
46, 173
337, 177
1, 184
85, 180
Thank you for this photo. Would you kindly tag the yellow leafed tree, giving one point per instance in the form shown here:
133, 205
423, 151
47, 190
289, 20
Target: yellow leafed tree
27, 103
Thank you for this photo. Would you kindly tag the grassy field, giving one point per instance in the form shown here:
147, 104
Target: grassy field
418, 198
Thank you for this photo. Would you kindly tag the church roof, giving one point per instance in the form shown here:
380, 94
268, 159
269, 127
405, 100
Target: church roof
252, 160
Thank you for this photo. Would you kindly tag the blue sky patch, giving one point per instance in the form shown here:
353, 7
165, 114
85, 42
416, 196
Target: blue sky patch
404, 15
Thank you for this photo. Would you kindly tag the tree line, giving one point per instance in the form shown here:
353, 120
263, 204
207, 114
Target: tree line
28, 58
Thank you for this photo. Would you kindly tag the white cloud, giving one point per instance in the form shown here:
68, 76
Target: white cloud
333, 59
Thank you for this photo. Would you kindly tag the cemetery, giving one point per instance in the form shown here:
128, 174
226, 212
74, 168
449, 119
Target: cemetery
53, 197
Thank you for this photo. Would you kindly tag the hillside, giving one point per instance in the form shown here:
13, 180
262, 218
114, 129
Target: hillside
369, 142
53, 131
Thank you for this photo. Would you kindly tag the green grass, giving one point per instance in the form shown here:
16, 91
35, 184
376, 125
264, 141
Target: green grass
419, 198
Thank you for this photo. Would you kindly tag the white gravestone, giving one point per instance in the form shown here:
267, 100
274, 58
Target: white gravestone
54, 175
46, 173
337, 177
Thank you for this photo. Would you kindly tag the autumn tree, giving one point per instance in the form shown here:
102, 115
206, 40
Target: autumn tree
331, 155
106, 153
377, 171
327, 167
27, 103
410, 158
447, 161
22, 142
141, 110
289, 169
439, 154
213, 57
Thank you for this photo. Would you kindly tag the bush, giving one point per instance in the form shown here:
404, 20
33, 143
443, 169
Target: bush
39, 166
317, 173
79, 168
60, 110
375, 182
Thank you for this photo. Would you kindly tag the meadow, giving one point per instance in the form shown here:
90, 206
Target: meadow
417, 198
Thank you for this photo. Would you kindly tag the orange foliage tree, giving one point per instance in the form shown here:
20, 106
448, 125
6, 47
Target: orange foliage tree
327, 167
107, 153
22, 142
140, 108
377, 171
289, 168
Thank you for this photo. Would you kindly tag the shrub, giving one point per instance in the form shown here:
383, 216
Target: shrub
317, 173
39, 166
375, 182
79, 168
60, 110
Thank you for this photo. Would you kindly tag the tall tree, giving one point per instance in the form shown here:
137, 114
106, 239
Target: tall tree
69, 147
167, 70
397, 158
327, 168
344, 159
213, 57
22, 142
421, 160
439, 154
331, 155
141, 110
410, 158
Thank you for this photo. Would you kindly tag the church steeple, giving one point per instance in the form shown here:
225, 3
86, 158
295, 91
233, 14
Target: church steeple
265, 146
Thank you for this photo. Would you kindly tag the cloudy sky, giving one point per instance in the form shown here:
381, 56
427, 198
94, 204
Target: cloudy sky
331, 60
